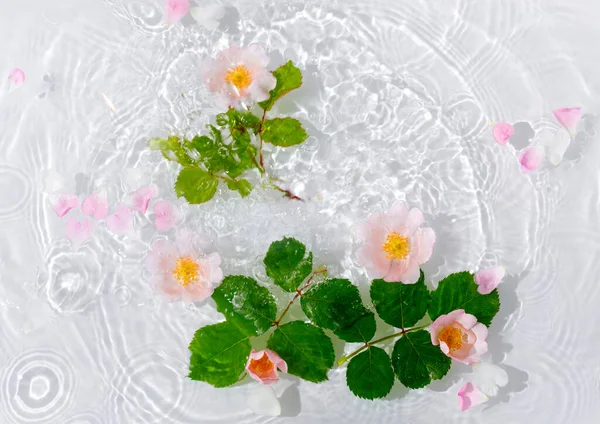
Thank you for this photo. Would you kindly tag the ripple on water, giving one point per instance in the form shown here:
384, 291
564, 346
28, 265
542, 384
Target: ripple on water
16, 189
37, 386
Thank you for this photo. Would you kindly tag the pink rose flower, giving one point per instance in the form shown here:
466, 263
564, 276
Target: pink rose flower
180, 270
394, 245
488, 279
469, 396
460, 336
262, 366
239, 76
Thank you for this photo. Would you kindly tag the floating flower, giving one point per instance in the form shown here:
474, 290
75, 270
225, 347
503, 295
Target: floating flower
180, 270
488, 377
470, 396
141, 198
489, 278
239, 76
460, 336
262, 366
502, 132
568, 117
209, 15
121, 221
175, 10
16, 77
78, 231
95, 205
63, 203
165, 215
531, 158
555, 144
394, 245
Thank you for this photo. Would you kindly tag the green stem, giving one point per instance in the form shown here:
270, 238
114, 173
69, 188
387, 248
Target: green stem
346, 358
260, 152
298, 294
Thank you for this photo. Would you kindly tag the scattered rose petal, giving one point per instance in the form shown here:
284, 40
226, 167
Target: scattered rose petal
120, 222
96, 205
470, 396
78, 231
175, 10
209, 15
502, 132
568, 117
141, 198
165, 215
489, 278
262, 400
16, 77
555, 144
63, 203
488, 377
531, 158
262, 366
459, 336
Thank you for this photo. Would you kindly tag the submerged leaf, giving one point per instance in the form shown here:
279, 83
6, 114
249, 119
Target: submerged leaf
196, 185
283, 132
287, 264
288, 78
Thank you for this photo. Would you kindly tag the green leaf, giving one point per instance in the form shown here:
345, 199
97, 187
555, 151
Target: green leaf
172, 149
416, 361
400, 305
305, 348
287, 264
244, 303
362, 330
283, 132
288, 78
334, 304
459, 291
370, 374
242, 186
196, 185
219, 354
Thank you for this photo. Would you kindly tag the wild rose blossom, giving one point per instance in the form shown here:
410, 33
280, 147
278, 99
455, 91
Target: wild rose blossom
239, 76
394, 244
262, 366
460, 336
181, 270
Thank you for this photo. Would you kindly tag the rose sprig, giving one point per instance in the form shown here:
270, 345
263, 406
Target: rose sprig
234, 144
430, 328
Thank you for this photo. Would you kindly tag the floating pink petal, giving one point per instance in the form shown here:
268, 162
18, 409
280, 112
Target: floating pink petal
78, 231
489, 278
16, 77
568, 117
63, 203
470, 396
502, 132
96, 205
531, 158
141, 198
165, 215
175, 10
120, 222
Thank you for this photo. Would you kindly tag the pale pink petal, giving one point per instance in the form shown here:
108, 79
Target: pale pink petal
444, 347
414, 220
468, 321
442, 322
262, 400
489, 278
276, 359
175, 10
165, 215
120, 222
568, 117
556, 146
167, 287
422, 244
141, 198
502, 132
398, 210
16, 77
162, 257
78, 231
63, 203
531, 158
212, 266
470, 396
405, 271
96, 205
374, 260
488, 377
197, 292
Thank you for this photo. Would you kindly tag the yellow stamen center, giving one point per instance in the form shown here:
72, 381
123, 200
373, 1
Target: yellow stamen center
261, 367
396, 246
453, 337
186, 270
239, 76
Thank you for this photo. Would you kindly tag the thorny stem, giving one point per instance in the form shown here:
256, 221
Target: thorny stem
262, 121
345, 358
298, 294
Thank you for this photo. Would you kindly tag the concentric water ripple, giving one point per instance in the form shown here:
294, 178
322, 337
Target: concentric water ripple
38, 386
15, 186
